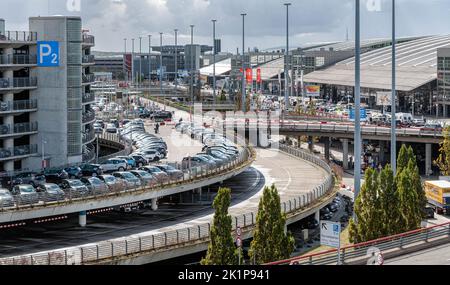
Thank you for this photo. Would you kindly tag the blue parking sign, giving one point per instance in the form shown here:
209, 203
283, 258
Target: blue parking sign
48, 53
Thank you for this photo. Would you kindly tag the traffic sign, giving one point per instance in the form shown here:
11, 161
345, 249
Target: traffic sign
363, 114
330, 234
48, 53
239, 242
380, 259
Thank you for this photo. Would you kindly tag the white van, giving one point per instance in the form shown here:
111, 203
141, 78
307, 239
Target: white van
404, 117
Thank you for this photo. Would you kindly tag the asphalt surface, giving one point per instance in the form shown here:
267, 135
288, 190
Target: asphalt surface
52, 236
435, 256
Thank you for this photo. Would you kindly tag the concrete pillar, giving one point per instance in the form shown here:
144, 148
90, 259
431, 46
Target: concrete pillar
445, 111
82, 219
428, 159
317, 216
154, 204
299, 140
345, 153
311, 144
382, 151
327, 149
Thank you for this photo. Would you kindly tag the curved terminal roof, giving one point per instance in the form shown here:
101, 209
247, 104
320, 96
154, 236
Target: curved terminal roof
415, 60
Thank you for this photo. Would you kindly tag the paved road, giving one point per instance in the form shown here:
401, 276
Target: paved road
292, 176
435, 256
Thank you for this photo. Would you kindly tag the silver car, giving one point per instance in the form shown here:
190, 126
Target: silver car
114, 184
131, 180
25, 194
74, 188
95, 185
51, 192
6, 199
146, 178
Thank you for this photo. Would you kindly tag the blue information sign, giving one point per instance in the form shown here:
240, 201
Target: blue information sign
48, 53
363, 114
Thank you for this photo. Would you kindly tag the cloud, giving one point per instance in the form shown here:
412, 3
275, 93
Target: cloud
310, 20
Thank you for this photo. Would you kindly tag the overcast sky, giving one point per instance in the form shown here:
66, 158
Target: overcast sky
310, 20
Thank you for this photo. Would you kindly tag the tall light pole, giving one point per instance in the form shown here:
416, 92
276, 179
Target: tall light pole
192, 72
149, 63
394, 97
214, 62
358, 144
176, 62
125, 59
286, 61
244, 99
161, 68
132, 62
140, 62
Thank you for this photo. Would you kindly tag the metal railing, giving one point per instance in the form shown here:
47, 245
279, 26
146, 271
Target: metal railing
89, 137
88, 78
88, 98
88, 117
359, 253
200, 233
6, 153
18, 128
25, 82
19, 59
88, 59
18, 36
20, 105
88, 39
89, 155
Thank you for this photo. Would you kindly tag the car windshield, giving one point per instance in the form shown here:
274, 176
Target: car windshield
75, 183
144, 174
26, 189
109, 179
53, 188
5, 194
95, 181
128, 176
155, 170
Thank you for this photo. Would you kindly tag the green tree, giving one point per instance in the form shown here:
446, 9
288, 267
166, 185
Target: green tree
409, 206
388, 202
270, 242
369, 224
417, 186
403, 159
221, 249
443, 162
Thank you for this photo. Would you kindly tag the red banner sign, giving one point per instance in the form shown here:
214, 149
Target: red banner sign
258, 75
249, 75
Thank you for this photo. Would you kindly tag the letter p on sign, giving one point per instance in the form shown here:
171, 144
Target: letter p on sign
48, 54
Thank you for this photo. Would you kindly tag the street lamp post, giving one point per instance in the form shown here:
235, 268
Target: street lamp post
244, 99
357, 101
125, 54
43, 153
140, 62
161, 68
192, 72
149, 63
214, 62
394, 97
132, 62
286, 61
176, 62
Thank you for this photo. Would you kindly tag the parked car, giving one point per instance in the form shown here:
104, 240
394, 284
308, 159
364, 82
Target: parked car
55, 175
140, 160
130, 161
31, 178
151, 155
6, 199
74, 172
174, 174
111, 128
131, 180
25, 194
430, 213
51, 192
95, 185
74, 188
160, 175
91, 170
112, 165
114, 184
146, 178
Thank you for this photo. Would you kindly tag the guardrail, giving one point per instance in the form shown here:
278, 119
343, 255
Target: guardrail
9, 153
19, 59
88, 117
88, 59
88, 78
18, 128
88, 39
18, 36
88, 98
201, 233
358, 253
25, 82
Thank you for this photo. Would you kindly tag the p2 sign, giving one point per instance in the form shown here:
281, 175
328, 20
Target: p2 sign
48, 54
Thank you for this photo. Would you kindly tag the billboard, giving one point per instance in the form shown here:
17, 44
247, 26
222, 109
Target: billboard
384, 98
312, 90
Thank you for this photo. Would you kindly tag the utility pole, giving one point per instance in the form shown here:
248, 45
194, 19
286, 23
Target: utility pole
125, 61
358, 144
394, 97
214, 63
176, 62
244, 99
286, 62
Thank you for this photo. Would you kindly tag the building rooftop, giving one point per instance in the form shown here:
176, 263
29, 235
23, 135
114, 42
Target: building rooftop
416, 66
